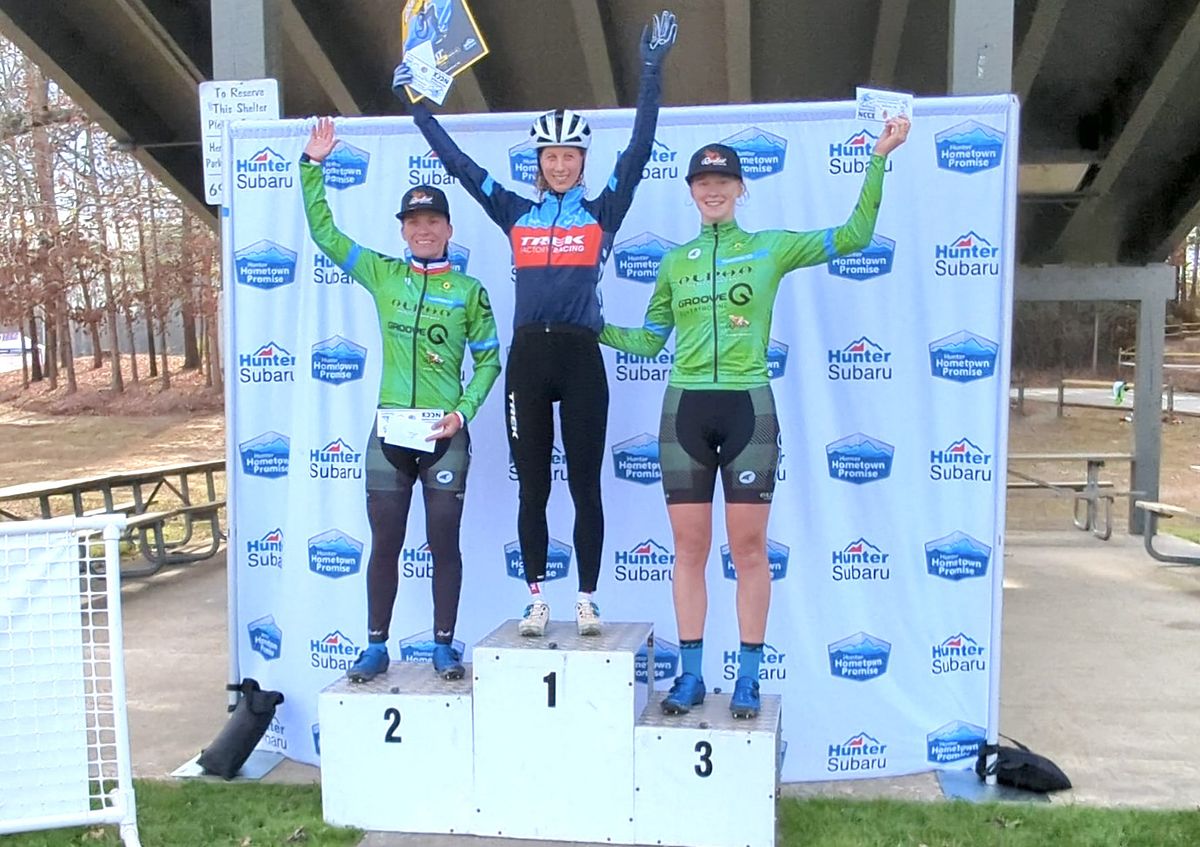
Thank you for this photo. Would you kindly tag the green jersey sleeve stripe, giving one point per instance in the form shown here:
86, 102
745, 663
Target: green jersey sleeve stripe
446, 301
486, 344
351, 259
830, 249
657, 329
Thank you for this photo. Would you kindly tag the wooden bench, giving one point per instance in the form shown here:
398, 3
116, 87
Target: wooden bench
1092, 494
1154, 511
150, 528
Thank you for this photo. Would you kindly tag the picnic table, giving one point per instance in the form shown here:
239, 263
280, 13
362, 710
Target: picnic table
142, 496
1096, 516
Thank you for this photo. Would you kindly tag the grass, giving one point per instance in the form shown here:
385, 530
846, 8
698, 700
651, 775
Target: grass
1187, 533
191, 814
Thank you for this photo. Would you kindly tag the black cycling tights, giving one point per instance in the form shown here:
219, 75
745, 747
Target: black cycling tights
561, 363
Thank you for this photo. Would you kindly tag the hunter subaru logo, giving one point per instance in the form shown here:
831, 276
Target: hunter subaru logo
523, 162
418, 648
316, 734
645, 562
336, 460
558, 560
961, 461
762, 153
854, 154
416, 562
337, 360
859, 459
636, 460
958, 654
859, 657
266, 455
333, 652
631, 368
957, 556
265, 169
326, 272
872, 261
968, 255
346, 166
862, 360
266, 638
969, 147
265, 265
459, 256
334, 554
777, 353
860, 561
428, 170
662, 163
269, 363
777, 560
860, 753
773, 665
639, 257
265, 552
954, 742
963, 357
666, 661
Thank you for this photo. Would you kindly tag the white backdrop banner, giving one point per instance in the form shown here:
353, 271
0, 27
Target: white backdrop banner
890, 371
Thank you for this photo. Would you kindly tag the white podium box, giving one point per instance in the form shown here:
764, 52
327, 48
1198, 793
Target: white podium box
554, 721
691, 772
396, 752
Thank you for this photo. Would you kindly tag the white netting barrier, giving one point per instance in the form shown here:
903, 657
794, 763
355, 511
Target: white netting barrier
64, 732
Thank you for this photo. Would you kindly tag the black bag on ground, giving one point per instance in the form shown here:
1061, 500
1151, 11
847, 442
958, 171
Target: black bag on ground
1020, 767
233, 745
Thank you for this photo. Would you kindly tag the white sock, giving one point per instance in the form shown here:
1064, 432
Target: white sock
584, 597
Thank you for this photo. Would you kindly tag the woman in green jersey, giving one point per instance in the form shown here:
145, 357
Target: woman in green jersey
717, 293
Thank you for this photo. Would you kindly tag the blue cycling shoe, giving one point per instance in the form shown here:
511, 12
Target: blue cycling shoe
745, 702
370, 663
447, 663
687, 691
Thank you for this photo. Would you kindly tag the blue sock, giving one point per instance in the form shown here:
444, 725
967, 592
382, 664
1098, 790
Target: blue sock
691, 654
749, 658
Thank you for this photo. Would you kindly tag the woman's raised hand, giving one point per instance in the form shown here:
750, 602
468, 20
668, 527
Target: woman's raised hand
895, 133
321, 141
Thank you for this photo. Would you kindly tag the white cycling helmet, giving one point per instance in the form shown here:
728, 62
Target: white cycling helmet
560, 128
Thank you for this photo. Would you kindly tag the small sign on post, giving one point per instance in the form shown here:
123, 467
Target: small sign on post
230, 100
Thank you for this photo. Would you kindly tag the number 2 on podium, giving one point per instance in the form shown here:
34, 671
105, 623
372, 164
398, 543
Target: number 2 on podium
393, 715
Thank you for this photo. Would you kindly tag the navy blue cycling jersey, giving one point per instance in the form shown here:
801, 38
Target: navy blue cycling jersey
560, 243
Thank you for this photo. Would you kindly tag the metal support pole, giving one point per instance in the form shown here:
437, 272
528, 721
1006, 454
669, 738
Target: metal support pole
1147, 406
981, 46
247, 39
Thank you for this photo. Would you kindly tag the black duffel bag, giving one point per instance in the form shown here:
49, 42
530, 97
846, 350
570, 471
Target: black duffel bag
251, 716
1020, 767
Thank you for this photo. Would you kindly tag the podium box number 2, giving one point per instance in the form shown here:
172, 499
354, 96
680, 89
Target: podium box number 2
554, 720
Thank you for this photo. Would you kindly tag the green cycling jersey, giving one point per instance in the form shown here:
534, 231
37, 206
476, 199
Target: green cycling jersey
428, 314
718, 293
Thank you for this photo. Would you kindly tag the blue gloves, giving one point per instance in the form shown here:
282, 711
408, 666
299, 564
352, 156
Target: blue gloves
401, 77
657, 38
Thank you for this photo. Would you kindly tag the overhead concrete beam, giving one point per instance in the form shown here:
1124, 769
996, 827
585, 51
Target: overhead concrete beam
888, 34
312, 53
1095, 283
466, 95
1034, 46
593, 47
737, 51
175, 57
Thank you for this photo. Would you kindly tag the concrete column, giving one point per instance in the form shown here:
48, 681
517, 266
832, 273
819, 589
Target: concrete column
247, 38
981, 47
1147, 406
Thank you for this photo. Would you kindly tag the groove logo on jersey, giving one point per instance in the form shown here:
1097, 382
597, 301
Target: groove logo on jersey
266, 638
859, 657
773, 666
575, 245
265, 455
266, 552
460, 256
857, 754
558, 560
873, 260
419, 647
860, 561
416, 562
345, 166
523, 162
265, 265
269, 363
761, 153
429, 170
631, 368
777, 353
969, 147
962, 461
334, 652
954, 742
968, 255
265, 169
662, 163
862, 360
777, 560
639, 257
338, 360
958, 654
326, 272
558, 465
334, 554
636, 460
336, 460
666, 661
854, 154
859, 459
957, 556
648, 561
963, 357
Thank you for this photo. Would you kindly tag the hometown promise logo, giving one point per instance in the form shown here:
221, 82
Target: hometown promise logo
777, 354
334, 554
265, 455
638, 258
873, 260
862, 360
418, 648
969, 255
958, 654
859, 459
777, 561
854, 154
345, 166
961, 461
954, 742
558, 560
636, 460
648, 561
265, 169
523, 162
860, 561
762, 153
336, 460
269, 363
859, 657
338, 360
963, 357
969, 147
666, 661
860, 753
266, 638
265, 552
957, 556
265, 265
333, 652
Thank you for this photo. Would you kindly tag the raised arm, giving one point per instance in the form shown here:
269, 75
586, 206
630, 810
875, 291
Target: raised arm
652, 335
484, 345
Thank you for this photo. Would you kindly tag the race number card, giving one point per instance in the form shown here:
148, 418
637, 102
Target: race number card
408, 427
441, 40
875, 104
